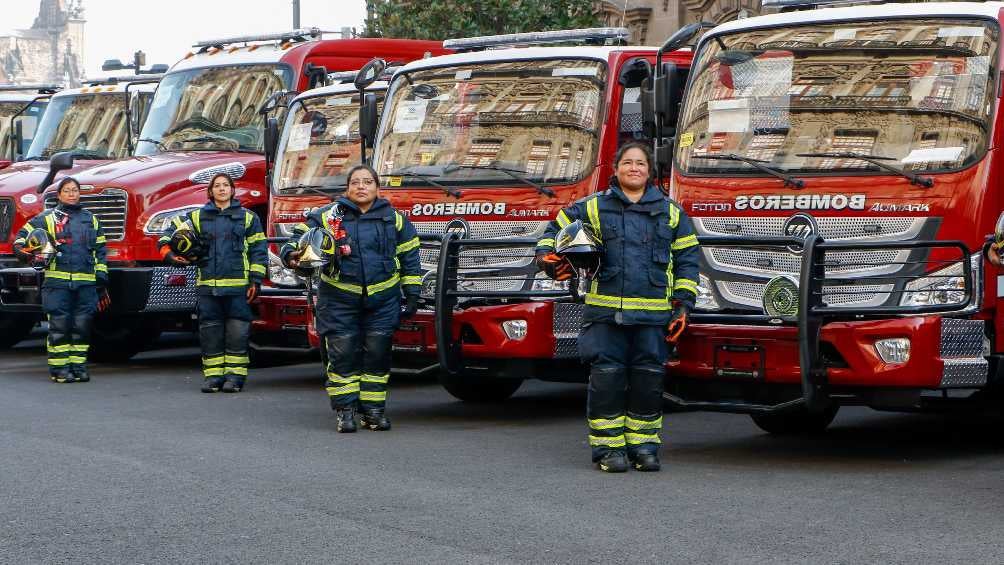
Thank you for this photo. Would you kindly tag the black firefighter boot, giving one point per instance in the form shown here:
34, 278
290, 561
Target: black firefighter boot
345, 418
375, 419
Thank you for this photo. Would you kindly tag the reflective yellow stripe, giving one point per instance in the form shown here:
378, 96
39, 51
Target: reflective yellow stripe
212, 361
301, 227
260, 269
391, 282
372, 396
243, 371
633, 424
674, 216
66, 276
379, 379
222, 282
412, 243
248, 218
212, 372
411, 280
593, 211
635, 439
50, 225
603, 441
546, 242
59, 362
654, 304
256, 238
339, 390
398, 221
340, 380
80, 347
563, 219
606, 423
232, 359
371, 289
100, 239
176, 220
58, 348
195, 221
101, 267
77, 360
685, 284
685, 242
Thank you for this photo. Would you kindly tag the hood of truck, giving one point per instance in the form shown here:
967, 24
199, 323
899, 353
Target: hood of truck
19, 182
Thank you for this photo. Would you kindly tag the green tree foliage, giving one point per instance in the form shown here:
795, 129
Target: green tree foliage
444, 19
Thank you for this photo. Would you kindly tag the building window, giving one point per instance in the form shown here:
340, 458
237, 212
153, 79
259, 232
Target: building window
426, 154
566, 152
483, 152
853, 141
537, 161
765, 146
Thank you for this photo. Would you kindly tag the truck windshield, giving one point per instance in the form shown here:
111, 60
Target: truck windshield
537, 117
211, 109
915, 93
320, 143
92, 126
29, 122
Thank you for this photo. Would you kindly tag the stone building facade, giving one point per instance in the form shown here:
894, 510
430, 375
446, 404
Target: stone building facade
652, 21
51, 51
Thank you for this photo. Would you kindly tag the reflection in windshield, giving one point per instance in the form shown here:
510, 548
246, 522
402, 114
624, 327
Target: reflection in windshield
93, 126
214, 108
28, 120
536, 117
913, 90
320, 142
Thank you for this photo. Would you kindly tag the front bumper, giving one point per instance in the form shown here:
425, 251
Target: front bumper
282, 321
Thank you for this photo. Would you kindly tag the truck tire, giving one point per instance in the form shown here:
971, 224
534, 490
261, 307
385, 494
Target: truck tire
15, 328
118, 339
479, 389
797, 422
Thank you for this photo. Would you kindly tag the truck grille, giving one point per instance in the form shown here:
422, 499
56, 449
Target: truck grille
515, 257
6, 218
109, 206
755, 267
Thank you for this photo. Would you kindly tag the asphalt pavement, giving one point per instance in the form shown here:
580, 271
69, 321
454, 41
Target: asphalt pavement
138, 466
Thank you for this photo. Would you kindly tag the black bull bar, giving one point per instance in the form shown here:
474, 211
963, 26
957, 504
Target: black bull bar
812, 313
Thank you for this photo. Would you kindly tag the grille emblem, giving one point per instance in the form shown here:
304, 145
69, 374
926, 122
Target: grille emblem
799, 226
458, 226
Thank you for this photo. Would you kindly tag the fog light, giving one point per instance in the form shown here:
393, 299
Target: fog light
893, 350
514, 329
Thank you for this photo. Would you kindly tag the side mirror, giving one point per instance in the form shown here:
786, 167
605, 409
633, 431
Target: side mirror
368, 119
369, 73
668, 93
271, 138
58, 162
17, 148
683, 36
664, 153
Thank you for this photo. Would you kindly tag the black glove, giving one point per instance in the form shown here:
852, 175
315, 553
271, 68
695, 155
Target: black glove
410, 306
678, 321
254, 289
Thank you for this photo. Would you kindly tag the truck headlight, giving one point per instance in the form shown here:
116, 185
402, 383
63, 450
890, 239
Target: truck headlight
944, 287
705, 298
542, 283
279, 274
159, 221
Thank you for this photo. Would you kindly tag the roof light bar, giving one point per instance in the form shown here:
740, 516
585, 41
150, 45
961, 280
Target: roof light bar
591, 35
302, 34
104, 81
793, 5
40, 88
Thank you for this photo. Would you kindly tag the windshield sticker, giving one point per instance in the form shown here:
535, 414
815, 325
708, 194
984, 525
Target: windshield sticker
394, 181
299, 137
574, 72
687, 139
410, 116
934, 155
462, 75
843, 34
801, 202
960, 31
338, 101
729, 115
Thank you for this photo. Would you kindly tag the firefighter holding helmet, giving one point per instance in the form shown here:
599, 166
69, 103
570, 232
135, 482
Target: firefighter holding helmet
226, 242
640, 251
67, 245
366, 253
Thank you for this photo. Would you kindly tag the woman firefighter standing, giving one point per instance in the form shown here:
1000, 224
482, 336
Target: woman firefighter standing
68, 245
359, 298
228, 245
646, 280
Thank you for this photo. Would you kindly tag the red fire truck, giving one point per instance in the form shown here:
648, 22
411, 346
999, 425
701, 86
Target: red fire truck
480, 149
205, 118
839, 167
91, 123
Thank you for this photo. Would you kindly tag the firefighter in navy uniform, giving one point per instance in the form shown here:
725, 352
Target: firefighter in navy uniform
359, 302
230, 251
639, 299
76, 277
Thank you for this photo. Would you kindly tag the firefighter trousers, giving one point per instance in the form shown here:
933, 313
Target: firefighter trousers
358, 333
224, 328
624, 406
70, 312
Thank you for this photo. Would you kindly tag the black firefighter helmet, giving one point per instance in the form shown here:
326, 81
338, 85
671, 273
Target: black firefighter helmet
185, 242
577, 243
317, 250
41, 247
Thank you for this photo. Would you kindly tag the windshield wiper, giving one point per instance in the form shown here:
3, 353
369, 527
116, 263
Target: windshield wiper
315, 188
454, 192
877, 160
209, 138
82, 153
756, 164
509, 172
157, 142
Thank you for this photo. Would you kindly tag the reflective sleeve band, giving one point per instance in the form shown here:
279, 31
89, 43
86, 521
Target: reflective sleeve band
685, 284
195, 221
398, 221
606, 301
411, 279
563, 219
100, 239
260, 269
685, 242
50, 225
547, 242
248, 218
606, 423
593, 211
101, 267
674, 216
256, 238
412, 243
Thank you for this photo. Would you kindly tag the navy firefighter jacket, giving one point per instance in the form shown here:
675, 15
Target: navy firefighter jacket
80, 246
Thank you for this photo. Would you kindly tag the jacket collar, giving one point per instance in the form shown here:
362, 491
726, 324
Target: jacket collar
347, 204
69, 208
651, 194
210, 206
